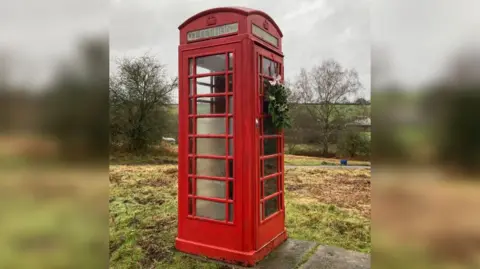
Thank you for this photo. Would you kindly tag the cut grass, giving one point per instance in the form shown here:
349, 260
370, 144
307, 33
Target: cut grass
143, 218
315, 161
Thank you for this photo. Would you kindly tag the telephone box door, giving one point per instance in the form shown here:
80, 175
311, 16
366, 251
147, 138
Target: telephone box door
270, 194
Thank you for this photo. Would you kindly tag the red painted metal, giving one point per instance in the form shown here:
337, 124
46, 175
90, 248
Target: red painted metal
250, 233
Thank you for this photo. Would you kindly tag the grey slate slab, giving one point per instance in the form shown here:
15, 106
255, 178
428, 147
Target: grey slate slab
326, 257
286, 256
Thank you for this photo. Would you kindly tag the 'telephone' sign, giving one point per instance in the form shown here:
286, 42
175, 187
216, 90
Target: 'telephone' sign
264, 35
212, 32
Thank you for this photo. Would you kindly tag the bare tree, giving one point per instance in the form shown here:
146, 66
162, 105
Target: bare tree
322, 89
140, 92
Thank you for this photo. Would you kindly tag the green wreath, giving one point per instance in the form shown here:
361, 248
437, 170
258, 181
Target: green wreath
278, 107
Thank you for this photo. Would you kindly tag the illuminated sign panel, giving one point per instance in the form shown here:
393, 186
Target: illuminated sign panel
264, 35
212, 32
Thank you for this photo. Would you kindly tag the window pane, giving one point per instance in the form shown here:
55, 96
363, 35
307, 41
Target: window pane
190, 185
190, 146
190, 125
230, 168
210, 64
230, 104
190, 166
211, 105
211, 210
190, 66
268, 126
230, 83
270, 186
230, 212
211, 126
211, 84
268, 67
271, 206
190, 87
270, 146
211, 146
230, 190
230, 147
190, 106
211, 167
190, 206
270, 166
230, 126
210, 188
230, 61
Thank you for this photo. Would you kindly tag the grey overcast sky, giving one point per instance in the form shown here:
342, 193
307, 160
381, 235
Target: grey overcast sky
313, 30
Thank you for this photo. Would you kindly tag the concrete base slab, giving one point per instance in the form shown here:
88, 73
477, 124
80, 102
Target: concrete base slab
287, 256
327, 257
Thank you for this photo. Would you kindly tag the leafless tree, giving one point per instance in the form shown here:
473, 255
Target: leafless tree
323, 88
140, 92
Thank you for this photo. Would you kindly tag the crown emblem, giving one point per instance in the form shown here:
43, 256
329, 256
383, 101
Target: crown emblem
265, 25
211, 20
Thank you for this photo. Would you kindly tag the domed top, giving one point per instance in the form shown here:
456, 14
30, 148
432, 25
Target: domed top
240, 10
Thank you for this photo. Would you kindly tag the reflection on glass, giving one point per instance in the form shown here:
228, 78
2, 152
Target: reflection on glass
211, 167
230, 61
211, 64
210, 210
270, 186
269, 67
211, 146
211, 105
211, 84
211, 125
271, 206
270, 166
210, 188
270, 146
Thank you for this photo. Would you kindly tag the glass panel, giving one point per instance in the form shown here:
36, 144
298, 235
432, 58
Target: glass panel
230, 61
211, 146
210, 188
211, 210
190, 206
270, 166
268, 126
230, 168
190, 146
211, 105
230, 147
211, 167
190, 185
190, 87
230, 126
211, 84
270, 146
190, 125
271, 206
230, 190
230, 83
190, 166
210, 64
190, 66
269, 67
270, 186
190, 106
230, 212
211, 126
230, 104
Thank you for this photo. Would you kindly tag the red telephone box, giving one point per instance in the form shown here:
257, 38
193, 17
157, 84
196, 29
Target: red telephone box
231, 169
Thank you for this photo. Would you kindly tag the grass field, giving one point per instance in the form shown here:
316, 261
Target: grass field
326, 206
